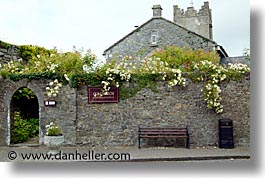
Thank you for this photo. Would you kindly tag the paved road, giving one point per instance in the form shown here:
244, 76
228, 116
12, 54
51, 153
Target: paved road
134, 154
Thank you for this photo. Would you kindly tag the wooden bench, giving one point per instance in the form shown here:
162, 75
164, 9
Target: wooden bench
177, 133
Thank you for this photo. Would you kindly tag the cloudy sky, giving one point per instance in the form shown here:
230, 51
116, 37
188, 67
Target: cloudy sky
97, 24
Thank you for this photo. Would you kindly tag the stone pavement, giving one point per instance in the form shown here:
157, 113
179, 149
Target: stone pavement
66, 154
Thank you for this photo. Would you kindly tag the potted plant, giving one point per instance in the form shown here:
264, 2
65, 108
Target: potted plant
54, 136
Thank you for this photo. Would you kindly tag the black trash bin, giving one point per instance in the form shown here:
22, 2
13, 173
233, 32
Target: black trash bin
226, 138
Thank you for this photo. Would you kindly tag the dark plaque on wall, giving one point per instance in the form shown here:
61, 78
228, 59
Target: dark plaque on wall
95, 95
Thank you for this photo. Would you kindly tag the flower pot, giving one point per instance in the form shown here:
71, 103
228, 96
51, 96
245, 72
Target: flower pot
53, 141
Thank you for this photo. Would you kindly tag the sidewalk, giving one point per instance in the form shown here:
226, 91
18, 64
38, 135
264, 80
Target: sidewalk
136, 155
194, 154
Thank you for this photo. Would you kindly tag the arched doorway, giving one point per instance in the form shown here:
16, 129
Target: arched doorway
24, 117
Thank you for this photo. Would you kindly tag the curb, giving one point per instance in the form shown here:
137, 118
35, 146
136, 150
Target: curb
190, 158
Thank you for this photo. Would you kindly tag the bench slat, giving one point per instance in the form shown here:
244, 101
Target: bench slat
160, 132
163, 134
170, 131
160, 136
148, 129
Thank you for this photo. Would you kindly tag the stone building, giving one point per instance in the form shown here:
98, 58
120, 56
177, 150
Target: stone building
8, 52
190, 29
198, 22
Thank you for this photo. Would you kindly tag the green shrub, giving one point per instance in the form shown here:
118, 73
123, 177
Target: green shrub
24, 93
4, 44
28, 52
184, 58
48, 64
24, 129
20, 132
33, 127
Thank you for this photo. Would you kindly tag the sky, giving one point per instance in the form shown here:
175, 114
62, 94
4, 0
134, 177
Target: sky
97, 24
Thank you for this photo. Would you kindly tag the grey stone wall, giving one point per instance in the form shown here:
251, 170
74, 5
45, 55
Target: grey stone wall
8, 53
64, 114
138, 43
117, 124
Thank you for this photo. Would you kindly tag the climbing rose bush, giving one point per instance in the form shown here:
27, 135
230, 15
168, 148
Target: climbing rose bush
213, 74
240, 68
54, 88
126, 67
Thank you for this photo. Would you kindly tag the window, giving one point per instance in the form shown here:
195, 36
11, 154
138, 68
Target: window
154, 38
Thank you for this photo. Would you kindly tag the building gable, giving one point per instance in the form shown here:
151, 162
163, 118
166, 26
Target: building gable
157, 33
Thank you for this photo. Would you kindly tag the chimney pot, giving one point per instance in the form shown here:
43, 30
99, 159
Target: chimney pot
157, 11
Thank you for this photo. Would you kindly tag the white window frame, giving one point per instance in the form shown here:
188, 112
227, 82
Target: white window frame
154, 38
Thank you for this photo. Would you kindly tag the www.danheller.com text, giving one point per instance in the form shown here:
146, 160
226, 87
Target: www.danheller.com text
59, 155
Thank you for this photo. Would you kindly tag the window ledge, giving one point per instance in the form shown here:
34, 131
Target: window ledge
153, 45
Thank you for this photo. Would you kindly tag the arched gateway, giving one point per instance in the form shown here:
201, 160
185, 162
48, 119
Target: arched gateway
12, 105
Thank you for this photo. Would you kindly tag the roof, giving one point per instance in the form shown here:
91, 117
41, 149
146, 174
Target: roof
234, 60
137, 29
221, 51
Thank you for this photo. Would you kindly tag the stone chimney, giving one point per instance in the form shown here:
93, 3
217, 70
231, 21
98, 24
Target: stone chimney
157, 11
